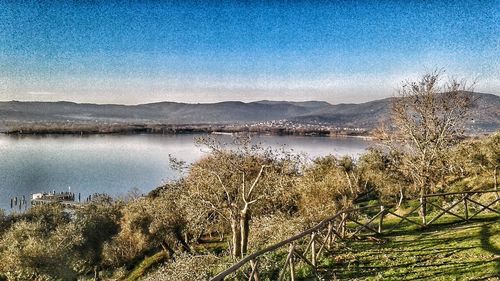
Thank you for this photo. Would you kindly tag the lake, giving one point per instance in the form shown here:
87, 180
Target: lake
116, 164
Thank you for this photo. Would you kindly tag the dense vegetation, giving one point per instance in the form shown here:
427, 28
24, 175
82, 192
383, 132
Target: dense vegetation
241, 197
229, 202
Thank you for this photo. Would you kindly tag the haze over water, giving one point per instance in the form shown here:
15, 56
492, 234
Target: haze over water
117, 164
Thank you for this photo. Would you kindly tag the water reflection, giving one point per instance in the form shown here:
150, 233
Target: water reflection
116, 164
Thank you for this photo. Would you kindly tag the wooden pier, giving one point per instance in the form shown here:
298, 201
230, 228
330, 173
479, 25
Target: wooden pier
66, 199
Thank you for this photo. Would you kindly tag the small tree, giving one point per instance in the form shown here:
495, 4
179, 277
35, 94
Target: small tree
40, 246
479, 159
231, 185
428, 118
97, 223
327, 186
147, 223
487, 157
383, 173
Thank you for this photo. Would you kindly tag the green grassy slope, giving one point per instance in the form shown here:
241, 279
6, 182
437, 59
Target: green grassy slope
149, 262
447, 251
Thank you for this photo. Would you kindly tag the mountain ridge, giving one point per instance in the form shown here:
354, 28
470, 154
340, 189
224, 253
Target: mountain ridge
367, 115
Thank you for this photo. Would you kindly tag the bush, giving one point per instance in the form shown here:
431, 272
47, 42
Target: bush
188, 267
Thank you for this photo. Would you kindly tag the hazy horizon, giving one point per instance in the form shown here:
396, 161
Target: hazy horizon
208, 102
201, 52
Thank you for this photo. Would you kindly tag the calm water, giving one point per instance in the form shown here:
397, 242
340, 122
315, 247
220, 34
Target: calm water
118, 164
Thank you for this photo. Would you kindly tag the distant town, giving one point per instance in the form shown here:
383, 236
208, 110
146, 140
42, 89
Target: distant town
273, 127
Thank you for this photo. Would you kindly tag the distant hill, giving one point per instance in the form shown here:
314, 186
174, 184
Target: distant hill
486, 113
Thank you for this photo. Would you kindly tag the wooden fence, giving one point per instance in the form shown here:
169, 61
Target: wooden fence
308, 246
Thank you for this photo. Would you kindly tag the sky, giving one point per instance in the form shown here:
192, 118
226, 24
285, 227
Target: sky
211, 51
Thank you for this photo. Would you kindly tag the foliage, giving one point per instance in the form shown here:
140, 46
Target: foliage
274, 228
238, 194
327, 186
187, 267
381, 171
147, 223
477, 161
97, 223
41, 246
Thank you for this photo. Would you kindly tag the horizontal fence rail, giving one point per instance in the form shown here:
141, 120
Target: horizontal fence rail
350, 224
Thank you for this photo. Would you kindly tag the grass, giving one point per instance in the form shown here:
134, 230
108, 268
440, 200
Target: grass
446, 251
149, 262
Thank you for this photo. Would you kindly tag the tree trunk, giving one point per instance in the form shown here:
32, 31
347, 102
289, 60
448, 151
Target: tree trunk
400, 198
235, 229
245, 228
200, 234
423, 202
167, 249
423, 209
495, 181
96, 273
183, 242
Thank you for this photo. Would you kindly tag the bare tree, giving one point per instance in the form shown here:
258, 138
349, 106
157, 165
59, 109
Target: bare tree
428, 118
232, 185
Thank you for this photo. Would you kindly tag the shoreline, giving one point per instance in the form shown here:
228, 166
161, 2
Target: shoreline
16, 134
173, 129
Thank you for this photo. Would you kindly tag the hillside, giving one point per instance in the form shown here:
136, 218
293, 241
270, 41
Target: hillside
447, 251
486, 113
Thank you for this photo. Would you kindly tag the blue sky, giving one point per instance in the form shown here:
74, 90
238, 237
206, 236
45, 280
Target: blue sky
338, 51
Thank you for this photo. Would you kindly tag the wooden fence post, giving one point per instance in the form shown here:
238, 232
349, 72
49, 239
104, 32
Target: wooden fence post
313, 248
330, 237
343, 225
288, 261
255, 271
423, 210
292, 269
381, 220
466, 209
